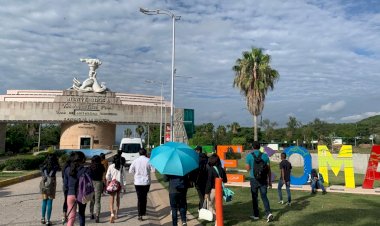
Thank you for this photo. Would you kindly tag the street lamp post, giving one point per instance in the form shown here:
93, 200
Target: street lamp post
162, 87
174, 18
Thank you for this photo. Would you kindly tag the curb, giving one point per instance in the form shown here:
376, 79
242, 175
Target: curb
19, 179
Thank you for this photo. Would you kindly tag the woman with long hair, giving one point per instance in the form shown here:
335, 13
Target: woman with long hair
64, 208
48, 187
96, 173
115, 175
214, 170
71, 181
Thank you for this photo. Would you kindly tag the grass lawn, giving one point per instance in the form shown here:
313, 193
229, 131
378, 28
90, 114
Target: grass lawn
329, 209
306, 209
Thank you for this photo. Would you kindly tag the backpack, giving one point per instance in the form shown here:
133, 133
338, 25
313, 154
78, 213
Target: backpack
260, 168
85, 188
46, 182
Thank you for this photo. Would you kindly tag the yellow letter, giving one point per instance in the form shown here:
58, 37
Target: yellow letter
344, 157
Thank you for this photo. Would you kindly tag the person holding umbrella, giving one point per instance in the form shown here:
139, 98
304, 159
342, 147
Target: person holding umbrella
178, 186
176, 161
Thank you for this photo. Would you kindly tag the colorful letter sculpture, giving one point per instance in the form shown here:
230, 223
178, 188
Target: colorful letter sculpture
229, 163
372, 174
344, 158
306, 167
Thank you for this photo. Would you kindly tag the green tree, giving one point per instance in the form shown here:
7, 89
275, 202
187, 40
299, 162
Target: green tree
140, 130
204, 135
221, 136
254, 77
235, 126
292, 125
269, 128
50, 135
127, 132
20, 138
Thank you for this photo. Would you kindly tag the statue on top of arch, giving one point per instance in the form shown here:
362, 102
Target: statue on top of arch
91, 83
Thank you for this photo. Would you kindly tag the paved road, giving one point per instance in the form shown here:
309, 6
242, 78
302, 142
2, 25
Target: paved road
21, 205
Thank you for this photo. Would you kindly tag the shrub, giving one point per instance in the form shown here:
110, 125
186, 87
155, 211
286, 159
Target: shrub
27, 162
2, 166
63, 160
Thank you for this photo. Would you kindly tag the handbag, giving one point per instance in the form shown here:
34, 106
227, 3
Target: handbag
227, 193
113, 186
205, 213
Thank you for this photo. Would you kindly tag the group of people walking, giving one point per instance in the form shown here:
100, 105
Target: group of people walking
104, 178
112, 179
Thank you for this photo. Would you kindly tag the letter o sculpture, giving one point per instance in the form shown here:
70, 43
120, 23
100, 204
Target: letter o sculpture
306, 167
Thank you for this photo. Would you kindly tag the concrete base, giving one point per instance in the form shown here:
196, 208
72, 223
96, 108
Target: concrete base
87, 135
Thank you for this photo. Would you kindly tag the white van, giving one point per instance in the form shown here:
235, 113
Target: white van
130, 149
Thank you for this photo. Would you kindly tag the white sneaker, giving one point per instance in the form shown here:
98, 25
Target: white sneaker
254, 218
270, 217
281, 202
288, 203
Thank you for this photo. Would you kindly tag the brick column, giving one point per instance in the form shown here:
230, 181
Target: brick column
3, 129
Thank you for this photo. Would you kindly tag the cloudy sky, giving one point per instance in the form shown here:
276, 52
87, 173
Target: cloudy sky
327, 52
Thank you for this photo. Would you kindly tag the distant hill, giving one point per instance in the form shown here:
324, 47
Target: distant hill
374, 120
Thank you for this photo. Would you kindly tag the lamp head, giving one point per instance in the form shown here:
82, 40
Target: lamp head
148, 11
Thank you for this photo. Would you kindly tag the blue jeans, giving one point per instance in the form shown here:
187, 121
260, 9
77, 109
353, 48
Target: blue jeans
287, 185
178, 201
255, 187
317, 184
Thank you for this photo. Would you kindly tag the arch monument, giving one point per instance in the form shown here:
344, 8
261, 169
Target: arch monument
88, 111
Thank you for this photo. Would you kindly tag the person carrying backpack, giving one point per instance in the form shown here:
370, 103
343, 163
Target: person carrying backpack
48, 186
71, 181
258, 165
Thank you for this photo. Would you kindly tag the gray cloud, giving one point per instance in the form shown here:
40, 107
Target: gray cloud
324, 52
333, 107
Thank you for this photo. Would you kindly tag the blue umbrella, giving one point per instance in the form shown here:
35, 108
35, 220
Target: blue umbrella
174, 158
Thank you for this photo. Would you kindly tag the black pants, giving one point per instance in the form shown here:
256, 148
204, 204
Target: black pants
142, 193
65, 202
201, 195
178, 202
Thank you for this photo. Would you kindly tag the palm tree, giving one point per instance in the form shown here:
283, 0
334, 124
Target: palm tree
254, 77
235, 126
140, 130
127, 132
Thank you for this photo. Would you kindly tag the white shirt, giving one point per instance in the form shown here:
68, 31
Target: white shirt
119, 175
141, 169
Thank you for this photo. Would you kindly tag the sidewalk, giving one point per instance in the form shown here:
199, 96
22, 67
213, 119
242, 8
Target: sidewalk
21, 205
333, 188
159, 198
